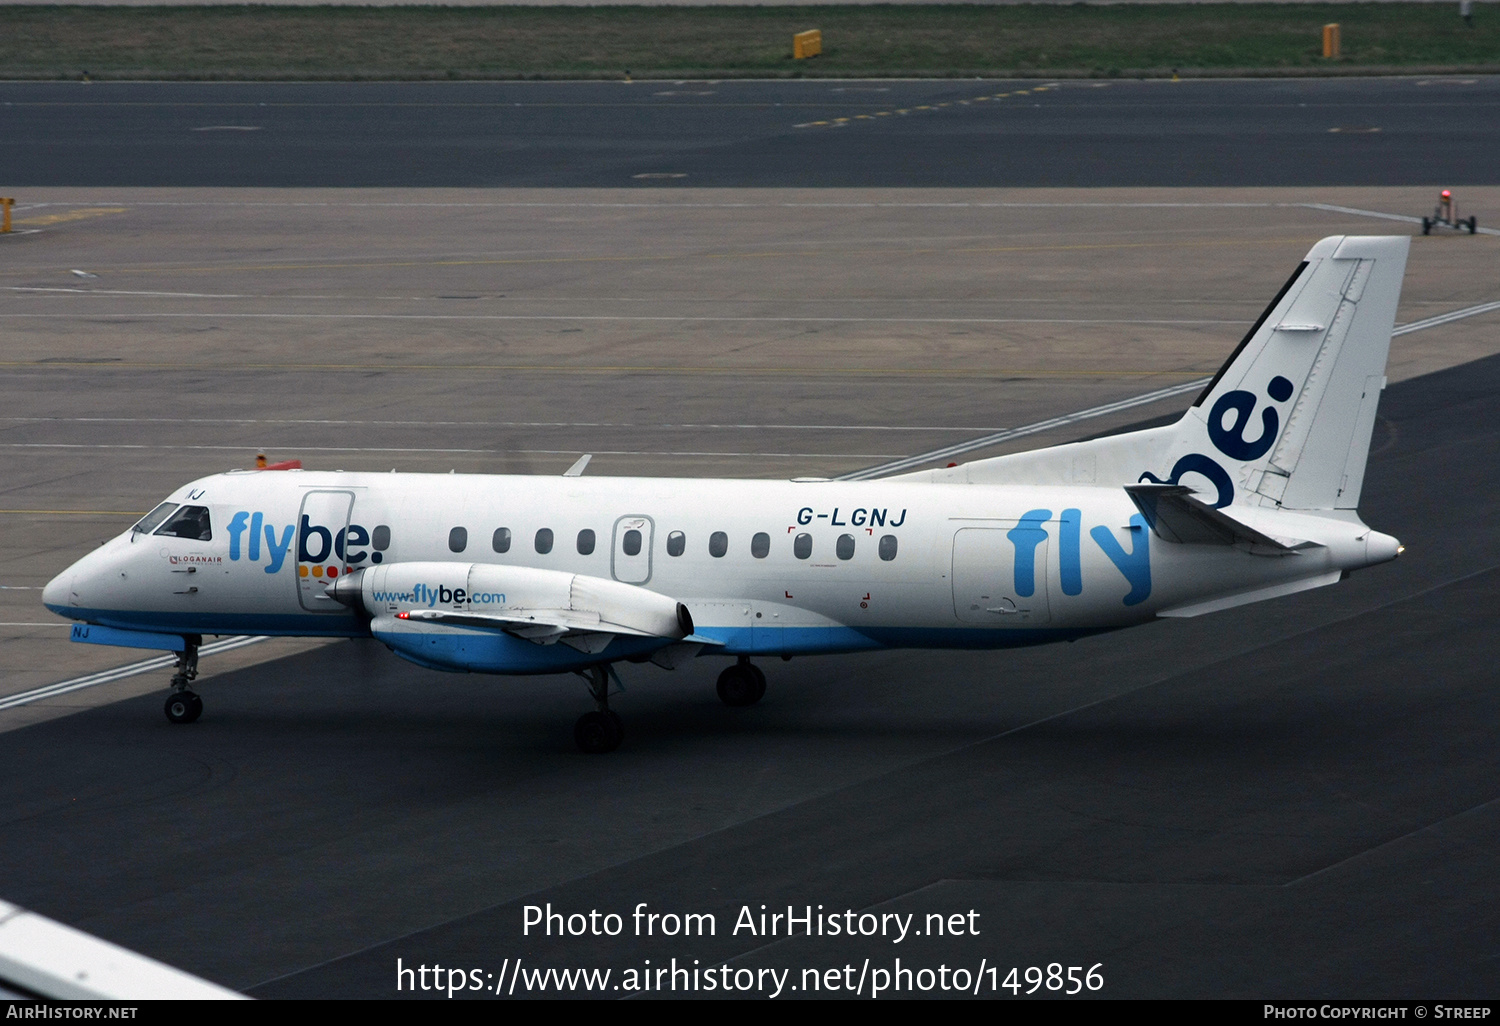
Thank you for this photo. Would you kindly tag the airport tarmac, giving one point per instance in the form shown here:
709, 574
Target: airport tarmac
1290, 799
815, 133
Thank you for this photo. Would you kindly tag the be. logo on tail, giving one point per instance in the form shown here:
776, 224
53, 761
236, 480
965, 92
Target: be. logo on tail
1231, 440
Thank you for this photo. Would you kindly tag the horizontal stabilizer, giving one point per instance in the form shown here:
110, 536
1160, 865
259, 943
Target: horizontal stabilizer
1244, 598
1176, 516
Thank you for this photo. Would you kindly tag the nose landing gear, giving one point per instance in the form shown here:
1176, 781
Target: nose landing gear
742, 684
183, 706
600, 731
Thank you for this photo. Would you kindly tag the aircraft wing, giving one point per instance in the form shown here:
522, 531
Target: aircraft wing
579, 629
1176, 516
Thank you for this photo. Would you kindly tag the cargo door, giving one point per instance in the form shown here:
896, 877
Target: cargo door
1000, 574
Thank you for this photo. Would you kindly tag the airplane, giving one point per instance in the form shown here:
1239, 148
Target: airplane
1251, 495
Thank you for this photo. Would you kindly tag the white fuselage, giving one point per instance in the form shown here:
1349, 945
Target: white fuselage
776, 567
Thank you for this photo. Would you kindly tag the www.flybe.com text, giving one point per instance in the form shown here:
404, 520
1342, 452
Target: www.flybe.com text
441, 596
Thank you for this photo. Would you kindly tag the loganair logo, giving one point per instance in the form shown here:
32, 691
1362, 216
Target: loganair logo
253, 539
441, 596
1134, 565
1230, 440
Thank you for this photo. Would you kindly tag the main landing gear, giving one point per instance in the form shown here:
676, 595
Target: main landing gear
599, 731
742, 684
183, 706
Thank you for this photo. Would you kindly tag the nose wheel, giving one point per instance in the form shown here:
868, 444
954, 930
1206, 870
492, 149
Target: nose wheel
183, 706
599, 731
742, 684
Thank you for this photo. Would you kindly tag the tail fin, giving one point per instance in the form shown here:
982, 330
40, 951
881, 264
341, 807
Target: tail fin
1287, 420
1289, 416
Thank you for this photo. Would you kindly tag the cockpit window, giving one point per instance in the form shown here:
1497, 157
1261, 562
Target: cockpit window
151, 521
188, 522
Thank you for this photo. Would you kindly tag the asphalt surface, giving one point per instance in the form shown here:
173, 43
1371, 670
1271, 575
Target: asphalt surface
1291, 132
1294, 799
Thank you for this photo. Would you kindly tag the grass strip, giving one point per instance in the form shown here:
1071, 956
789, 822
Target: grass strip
407, 43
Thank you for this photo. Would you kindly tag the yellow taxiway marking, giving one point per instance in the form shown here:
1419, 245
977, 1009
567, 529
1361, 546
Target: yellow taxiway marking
80, 214
929, 106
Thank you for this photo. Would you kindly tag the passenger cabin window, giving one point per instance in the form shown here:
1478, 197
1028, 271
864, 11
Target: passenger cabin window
500, 541
544, 540
631, 543
760, 545
845, 547
802, 546
458, 539
718, 544
676, 543
888, 547
380, 538
585, 542
151, 521
188, 522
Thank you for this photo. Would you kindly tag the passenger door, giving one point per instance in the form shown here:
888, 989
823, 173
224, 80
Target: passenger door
320, 527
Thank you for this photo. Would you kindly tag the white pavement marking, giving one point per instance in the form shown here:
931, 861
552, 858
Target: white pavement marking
985, 441
1453, 315
1407, 218
444, 452
121, 672
128, 292
488, 424
671, 203
689, 318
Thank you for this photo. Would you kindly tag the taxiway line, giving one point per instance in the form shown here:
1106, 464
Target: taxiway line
120, 672
985, 441
1407, 218
655, 318
442, 452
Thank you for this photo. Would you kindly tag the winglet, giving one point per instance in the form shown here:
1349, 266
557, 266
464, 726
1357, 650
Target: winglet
576, 470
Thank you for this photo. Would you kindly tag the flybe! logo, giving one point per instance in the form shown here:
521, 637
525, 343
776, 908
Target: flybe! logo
1230, 439
253, 539
1134, 565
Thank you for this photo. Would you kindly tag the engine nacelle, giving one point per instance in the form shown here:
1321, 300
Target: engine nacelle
485, 610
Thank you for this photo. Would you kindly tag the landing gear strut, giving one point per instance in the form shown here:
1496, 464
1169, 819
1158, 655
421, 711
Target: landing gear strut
600, 731
183, 706
742, 684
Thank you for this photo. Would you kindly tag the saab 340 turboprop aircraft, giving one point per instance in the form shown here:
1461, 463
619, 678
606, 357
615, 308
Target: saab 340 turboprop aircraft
1250, 496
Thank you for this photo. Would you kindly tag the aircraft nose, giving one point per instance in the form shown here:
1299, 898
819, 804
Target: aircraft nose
59, 595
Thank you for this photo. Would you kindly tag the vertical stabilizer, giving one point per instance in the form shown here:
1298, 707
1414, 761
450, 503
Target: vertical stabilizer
1289, 417
1285, 423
